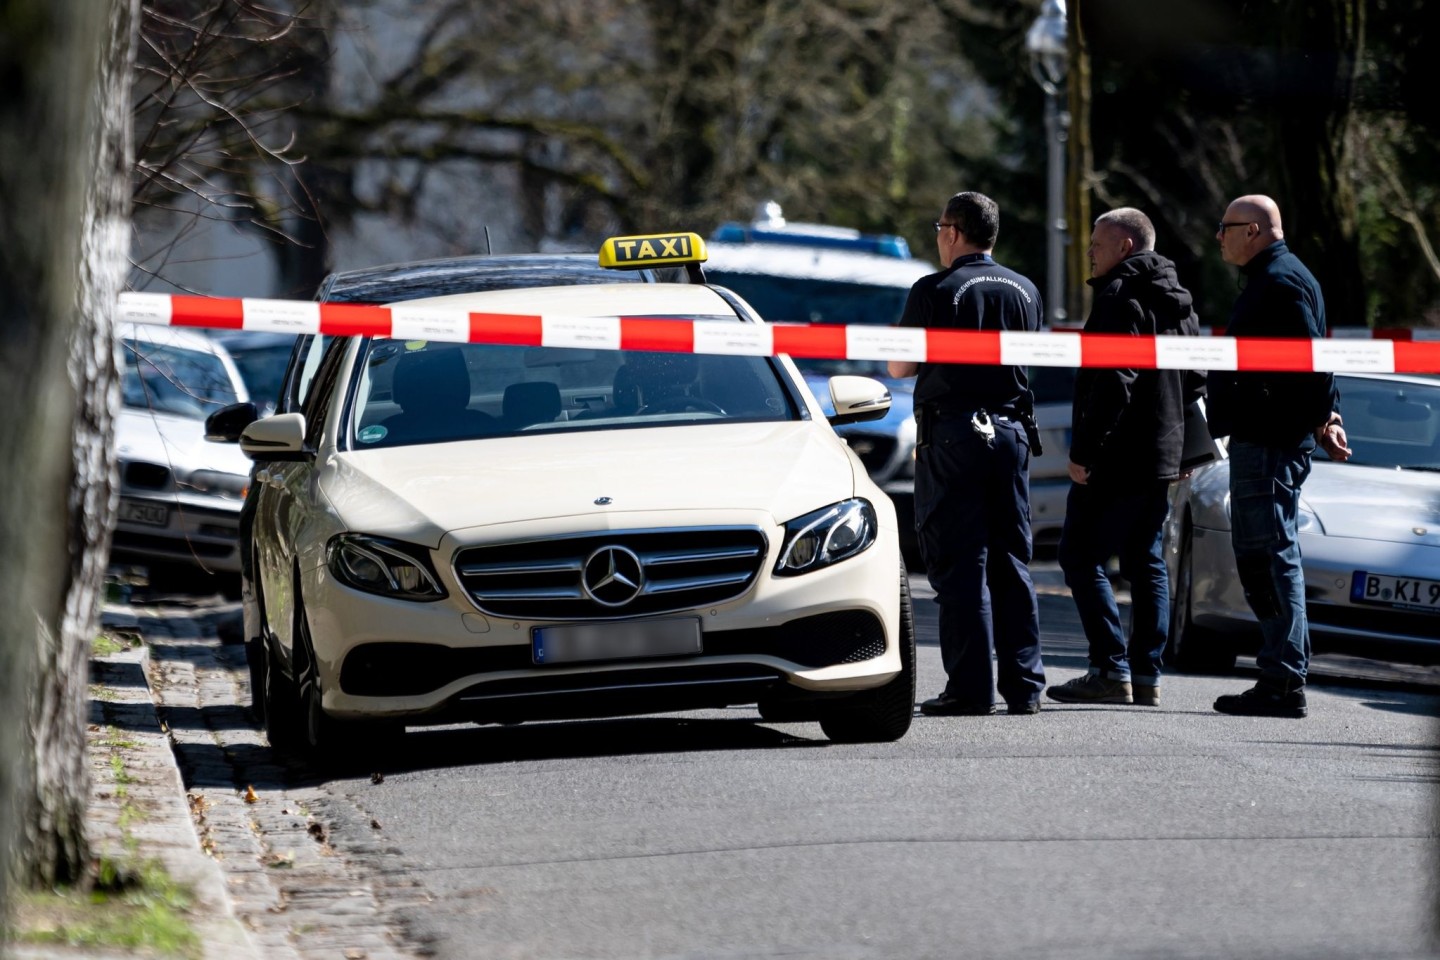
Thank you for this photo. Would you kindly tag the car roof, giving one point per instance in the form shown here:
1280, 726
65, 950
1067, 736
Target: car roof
424, 279
604, 300
170, 337
814, 263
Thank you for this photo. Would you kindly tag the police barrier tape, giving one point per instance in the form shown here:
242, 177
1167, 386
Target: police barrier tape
820, 341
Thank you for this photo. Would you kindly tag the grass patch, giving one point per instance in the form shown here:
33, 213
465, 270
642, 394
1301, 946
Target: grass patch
107, 644
140, 910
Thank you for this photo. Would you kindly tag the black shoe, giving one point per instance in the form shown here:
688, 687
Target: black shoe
1263, 701
947, 706
1024, 708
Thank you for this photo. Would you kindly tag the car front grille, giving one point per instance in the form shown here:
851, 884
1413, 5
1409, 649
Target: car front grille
677, 570
145, 476
826, 639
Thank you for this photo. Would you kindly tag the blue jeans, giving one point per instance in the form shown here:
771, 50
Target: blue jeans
972, 518
1264, 506
1104, 520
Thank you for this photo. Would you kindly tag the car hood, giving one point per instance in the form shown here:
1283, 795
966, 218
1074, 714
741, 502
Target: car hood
175, 442
1374, 503
422, 492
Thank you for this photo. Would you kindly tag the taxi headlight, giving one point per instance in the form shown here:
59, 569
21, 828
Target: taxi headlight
231, 486
389, 568
826, 536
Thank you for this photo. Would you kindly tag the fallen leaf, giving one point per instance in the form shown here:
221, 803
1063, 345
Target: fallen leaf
354, 953
286, 859
251, 796
374, 824
316, 829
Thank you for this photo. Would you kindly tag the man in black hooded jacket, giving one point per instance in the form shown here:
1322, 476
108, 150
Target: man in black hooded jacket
1128, 432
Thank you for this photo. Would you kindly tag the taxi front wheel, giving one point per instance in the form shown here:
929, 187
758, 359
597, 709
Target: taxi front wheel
326, 738
883, 714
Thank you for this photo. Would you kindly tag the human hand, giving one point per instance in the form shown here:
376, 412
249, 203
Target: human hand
1079, 474
1332, 440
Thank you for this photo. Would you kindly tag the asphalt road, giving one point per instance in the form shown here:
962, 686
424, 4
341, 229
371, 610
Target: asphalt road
1085, 831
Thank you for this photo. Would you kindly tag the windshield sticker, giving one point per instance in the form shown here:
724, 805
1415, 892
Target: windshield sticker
416, 344
373, 433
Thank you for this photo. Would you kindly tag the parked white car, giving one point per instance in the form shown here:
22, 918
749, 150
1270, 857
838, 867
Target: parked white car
180, 497
504, 533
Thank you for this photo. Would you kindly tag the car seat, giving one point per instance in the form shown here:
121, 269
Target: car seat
432, 389
532, 402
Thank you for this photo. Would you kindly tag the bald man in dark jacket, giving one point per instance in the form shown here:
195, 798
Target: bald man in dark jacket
1128, 432
1274, 421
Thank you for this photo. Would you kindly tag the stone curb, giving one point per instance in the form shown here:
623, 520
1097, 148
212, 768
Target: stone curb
140, 812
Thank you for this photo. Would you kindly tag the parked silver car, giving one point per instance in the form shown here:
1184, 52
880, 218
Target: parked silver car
1369, 537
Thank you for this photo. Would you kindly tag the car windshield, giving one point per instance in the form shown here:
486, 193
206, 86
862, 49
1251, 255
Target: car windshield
167, 379
1391, 423
426, 392
263, 370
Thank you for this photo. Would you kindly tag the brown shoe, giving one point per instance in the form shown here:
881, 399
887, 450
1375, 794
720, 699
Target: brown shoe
1146, 694
1092, 688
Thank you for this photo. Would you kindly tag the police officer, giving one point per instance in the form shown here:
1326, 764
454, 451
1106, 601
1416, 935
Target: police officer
975, 431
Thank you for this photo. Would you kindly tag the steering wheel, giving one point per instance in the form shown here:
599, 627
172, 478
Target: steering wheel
677, 404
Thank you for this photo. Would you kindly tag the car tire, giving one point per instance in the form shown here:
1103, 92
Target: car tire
1192, 648
281, 703
883, 714
325, 738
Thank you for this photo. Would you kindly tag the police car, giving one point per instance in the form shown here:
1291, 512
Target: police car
454, 531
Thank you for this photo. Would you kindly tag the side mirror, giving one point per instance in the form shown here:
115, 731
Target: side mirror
857, 399
226, 424
276, 438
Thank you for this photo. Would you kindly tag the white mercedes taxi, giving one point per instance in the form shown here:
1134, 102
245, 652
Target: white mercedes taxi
454, 532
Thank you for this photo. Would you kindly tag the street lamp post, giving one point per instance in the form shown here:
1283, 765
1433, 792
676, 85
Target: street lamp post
1045, 42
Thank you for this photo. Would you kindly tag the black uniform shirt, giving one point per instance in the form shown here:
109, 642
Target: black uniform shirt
976, 293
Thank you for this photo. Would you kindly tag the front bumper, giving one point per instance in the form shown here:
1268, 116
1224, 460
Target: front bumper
1329, 564
774, 638
193, 532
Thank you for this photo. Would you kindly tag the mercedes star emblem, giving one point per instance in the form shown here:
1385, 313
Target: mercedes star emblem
612, 576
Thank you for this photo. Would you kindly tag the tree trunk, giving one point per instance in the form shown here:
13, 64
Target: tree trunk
64, 234
1321, 43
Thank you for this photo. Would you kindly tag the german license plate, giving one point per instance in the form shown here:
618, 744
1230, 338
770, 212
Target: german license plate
1390, 591
632, 640
138, 511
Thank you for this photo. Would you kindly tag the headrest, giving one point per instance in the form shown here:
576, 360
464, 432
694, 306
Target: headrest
438, 379
532, 402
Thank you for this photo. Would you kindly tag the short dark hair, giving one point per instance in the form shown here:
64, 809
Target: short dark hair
977, 216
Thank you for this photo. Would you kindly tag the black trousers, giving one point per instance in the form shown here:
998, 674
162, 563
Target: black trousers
972, 516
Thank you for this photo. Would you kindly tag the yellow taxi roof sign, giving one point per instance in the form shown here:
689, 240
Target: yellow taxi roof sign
652, 250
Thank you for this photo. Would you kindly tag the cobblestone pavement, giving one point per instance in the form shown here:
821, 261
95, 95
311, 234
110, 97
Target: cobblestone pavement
305, 871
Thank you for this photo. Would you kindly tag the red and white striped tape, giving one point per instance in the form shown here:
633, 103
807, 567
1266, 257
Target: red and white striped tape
1420, 353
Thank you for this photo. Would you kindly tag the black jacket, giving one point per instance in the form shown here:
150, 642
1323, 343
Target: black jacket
1129, 425
1281, 299
975, 293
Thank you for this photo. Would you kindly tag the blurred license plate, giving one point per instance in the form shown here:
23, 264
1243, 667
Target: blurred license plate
137, 511
615, 641
1391, 591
